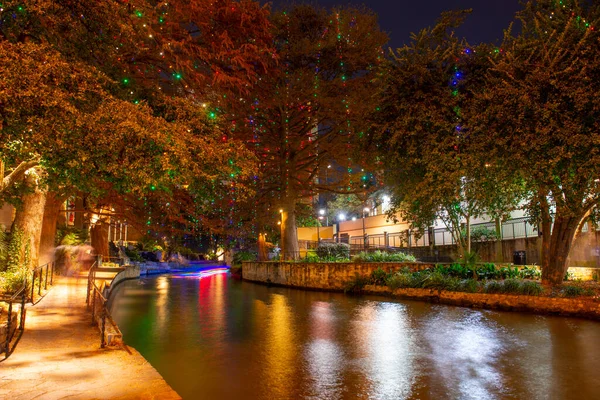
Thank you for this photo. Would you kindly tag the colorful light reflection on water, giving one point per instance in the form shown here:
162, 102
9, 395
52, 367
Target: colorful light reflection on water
213, 337
201, 273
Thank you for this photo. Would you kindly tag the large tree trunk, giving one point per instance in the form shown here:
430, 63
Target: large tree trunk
99, 238
291, 251
263, 254
554, 264
29, 216
48, 236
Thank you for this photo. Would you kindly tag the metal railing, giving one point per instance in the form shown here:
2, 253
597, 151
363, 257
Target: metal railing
40, 274
19, 296
100, 312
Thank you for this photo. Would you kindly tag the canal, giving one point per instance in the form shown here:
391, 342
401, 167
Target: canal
213, 337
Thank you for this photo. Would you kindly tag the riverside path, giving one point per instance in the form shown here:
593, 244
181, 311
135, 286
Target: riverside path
59, 356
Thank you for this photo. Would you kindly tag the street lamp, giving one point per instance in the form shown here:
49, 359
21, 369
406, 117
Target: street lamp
318, 234
365, 211
322, 213
280, 223
341, 217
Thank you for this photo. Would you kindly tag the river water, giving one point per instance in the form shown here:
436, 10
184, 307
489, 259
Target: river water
213, 337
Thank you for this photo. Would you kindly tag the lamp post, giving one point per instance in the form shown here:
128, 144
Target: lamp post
365, 211
280, 223
341, 217
319, 219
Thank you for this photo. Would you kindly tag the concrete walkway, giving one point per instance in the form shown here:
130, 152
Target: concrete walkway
59, 356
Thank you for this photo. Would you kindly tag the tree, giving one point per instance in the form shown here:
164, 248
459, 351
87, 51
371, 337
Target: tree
310, 111
435, 167
83, 94
541, 113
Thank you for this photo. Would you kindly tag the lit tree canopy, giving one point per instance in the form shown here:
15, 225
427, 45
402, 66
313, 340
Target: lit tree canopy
435, 164
541, 112
311, 110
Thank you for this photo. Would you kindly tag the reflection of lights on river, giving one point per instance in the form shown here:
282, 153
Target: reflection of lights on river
325, 359
201, 274
465, 352
385, 340
162, 312
281, 348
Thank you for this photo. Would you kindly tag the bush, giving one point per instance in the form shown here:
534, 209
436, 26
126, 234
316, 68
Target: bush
512, 286
379, 277
383, 256
333, 251
133, 255
356, 284
530, 288
493, 287
508, 272
530, 273
468, 286
241, 256
575, 291
399, 280
436, 280
483, 234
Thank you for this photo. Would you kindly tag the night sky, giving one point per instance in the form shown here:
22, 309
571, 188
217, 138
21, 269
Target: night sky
401, 17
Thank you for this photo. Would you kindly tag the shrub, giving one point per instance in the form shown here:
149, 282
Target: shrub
483, 234
383, 256
436, 280
379, 277
512, 286
574, 291
508, 272
399, 280
133, 255
487, 271
356, 284
531, 288
530, 273
493, 287
333, 251
468, 286
241, 256
311, 257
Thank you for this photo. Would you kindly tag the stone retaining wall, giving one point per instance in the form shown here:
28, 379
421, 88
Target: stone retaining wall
323, 276
333, 277
586, 307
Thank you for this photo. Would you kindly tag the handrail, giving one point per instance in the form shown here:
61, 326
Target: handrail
10, 300
38, 272
96, 292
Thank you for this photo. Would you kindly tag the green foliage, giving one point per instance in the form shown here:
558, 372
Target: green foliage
531, 288
356, 284
530, 273
14, 267
383, 256
482, 234
133, 255
575, 291
71, 236
379, 277
333, 251
469, 286
241, 256
513, 286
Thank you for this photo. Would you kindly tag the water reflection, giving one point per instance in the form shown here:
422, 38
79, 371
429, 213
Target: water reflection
279, 366
215, 338
465, 349
323, 353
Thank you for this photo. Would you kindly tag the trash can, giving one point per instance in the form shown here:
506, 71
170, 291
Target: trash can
520, 257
